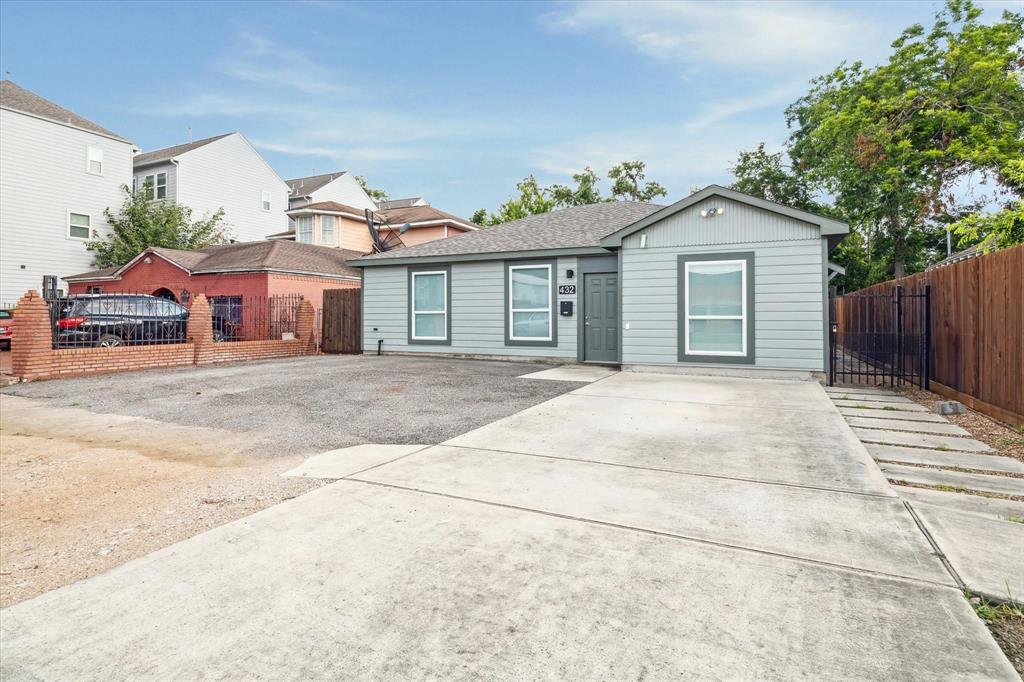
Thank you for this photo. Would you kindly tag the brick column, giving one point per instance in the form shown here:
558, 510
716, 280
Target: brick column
31, 349
305, 321
200, 326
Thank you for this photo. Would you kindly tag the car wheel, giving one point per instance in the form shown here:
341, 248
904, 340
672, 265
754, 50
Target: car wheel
109, 341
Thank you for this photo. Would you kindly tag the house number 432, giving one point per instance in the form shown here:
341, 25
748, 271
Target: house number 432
566, 289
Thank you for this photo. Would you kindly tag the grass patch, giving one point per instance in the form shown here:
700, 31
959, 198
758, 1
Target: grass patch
1015, 519
943, 447
989, 612
890, 408
1011, 442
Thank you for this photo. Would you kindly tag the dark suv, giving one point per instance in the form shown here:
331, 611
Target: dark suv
126, 319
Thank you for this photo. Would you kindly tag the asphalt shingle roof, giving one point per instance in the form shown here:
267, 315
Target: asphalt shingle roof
332, 206
418, 214
253, 257
302, 187
168, 153
575, 227
13, 96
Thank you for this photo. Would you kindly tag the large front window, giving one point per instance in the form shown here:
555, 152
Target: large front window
304, 229
430, 305
716, 307
529, 302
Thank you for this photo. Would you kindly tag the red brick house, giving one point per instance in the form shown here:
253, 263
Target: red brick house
251, 269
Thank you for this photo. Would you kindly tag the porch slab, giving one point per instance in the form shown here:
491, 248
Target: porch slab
1001, 485
346, 461
992, 507
986, 553
861, 531
943, 428
863, 405
920, 440
579, 373
771, 445
892, 414
962, 460
872, 397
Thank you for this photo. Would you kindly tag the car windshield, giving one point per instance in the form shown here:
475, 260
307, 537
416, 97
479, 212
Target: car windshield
6, 314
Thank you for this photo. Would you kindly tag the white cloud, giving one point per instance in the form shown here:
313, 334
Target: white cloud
734, 35
256, 59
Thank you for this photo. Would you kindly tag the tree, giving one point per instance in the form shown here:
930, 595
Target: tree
892, 142
532, 199
142, 222
375, 194
479, 216
768, 176
1001, 229
626, 179
585, 192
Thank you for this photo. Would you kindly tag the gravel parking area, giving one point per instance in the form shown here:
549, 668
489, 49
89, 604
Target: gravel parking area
309, 405
97, 471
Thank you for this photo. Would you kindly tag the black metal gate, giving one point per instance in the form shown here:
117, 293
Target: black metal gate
881, 338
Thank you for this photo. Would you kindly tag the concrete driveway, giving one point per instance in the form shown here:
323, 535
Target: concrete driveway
643, 526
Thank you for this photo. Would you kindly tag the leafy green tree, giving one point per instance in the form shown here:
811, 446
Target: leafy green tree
768, 176
891, 143
626, 182
375, 194
1000, 229
531, 200
585, 192
479, 216
142, 222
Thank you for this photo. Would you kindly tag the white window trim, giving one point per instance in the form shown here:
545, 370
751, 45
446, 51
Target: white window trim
152, 179
312, 230
334, 240
511, 310
415, 312
68, 225
743, 309
88, 159
265, 198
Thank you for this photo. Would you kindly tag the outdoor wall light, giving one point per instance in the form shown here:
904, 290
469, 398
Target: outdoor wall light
711, 212
147, 260
570, 273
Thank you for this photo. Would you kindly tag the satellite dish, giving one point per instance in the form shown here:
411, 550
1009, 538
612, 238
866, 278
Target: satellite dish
403, 228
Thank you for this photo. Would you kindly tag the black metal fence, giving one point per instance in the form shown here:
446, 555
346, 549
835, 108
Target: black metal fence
880, 338
132, 319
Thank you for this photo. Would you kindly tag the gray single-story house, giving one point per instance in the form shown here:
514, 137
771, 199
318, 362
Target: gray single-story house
720, 280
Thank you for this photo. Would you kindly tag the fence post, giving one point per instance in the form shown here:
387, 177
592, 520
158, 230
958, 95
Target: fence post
305, 321
897, 365
32, 348
927, 337
200, 327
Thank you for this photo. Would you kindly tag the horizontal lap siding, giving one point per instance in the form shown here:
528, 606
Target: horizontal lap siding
788, 287
477, 312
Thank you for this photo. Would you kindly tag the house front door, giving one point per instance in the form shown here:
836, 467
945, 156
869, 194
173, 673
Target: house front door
601, 317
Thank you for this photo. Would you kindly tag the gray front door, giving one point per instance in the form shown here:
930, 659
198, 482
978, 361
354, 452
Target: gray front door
601, 317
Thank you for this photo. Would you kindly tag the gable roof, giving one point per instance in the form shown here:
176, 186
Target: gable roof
303, 187
578, 227
385, 204
17, 98
828, 226
168, 153
423, 214
327, 207
265, 256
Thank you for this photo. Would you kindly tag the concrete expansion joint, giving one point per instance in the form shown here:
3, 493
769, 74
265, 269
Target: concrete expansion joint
657, 533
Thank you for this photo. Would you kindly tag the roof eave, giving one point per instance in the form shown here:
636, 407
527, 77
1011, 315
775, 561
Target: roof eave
484, 256
108, 135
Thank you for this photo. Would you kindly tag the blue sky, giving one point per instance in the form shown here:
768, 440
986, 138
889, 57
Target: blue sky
452, 101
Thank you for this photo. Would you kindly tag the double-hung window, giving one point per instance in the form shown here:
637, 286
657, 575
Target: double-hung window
158, 185
428, 313
79, 225
716, 309
328, 234
265, 200
304, 229
530, 304
94, 160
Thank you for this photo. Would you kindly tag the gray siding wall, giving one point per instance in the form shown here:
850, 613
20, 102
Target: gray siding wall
477, 312
172, 178
788, 301
42, 177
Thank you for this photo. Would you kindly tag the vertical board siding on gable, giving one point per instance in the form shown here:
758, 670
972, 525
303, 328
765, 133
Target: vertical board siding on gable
477, 312
789, 310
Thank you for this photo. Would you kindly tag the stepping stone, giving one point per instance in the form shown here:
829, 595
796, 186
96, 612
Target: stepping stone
1002, 485
894, 415
941, 428
992, 507
986, 553
919, 440
872, 398
964, 460
862, 405
347, 461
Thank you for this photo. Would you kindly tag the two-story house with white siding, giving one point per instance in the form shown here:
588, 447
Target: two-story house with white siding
58, 171
339, 186
218, 172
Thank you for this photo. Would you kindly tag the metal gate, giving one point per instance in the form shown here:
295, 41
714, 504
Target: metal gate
341, 321
880, 339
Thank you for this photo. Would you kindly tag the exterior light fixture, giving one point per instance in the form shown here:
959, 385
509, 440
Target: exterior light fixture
147, 260
711, 212
570, 273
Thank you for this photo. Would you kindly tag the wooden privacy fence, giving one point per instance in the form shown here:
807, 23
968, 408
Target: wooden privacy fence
977, 329
341, 321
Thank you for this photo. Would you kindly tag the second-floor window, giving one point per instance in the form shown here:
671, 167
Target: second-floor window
328, 229
94, 160
158, 184
304, 229
265, 200
79, 225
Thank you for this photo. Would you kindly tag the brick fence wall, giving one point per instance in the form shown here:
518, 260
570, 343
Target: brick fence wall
33, 357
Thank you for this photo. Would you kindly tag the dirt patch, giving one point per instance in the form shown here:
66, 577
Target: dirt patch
1006, 623
73, 505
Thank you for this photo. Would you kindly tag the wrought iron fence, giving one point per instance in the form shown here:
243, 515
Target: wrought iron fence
131, 319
